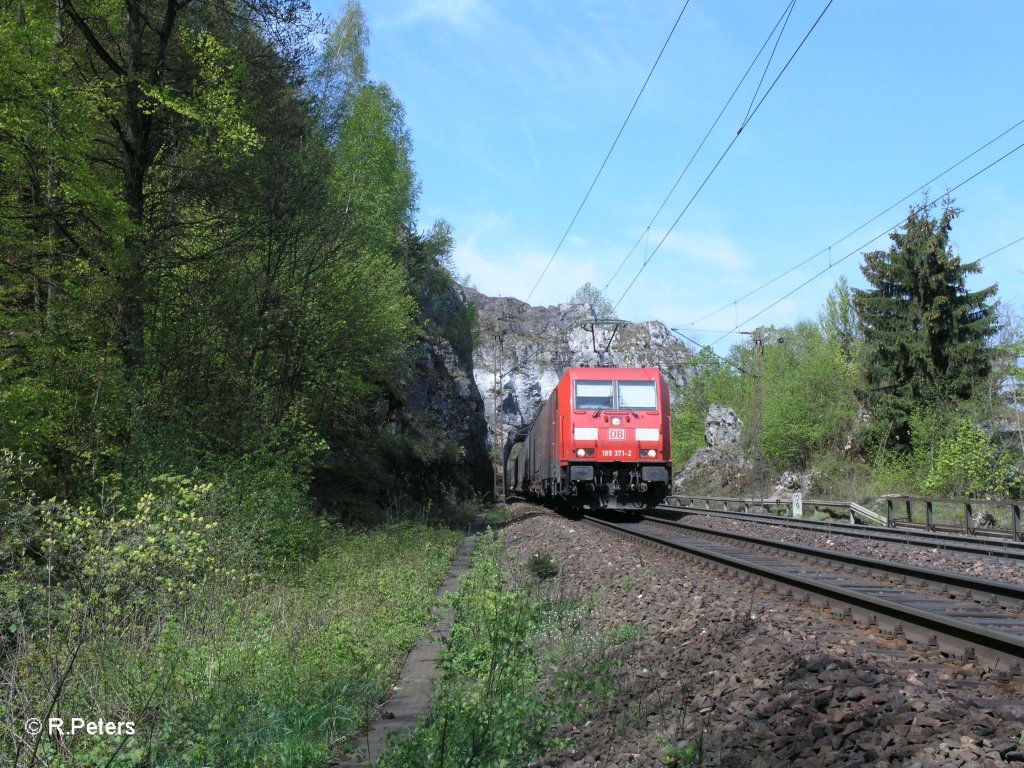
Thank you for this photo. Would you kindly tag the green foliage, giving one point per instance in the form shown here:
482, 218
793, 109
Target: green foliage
842, 475
591, 295
915, 349
807, 396
249, 667
119, 557
427, 259
269, 281
950, 456
517, 664
543, 566
925, 334
299, 664
904, 471
497, 515
968, 464
678, 756
342, 68
373, 168
488, 710
838, 322
210, 290
711, 380
809, 402
215, 103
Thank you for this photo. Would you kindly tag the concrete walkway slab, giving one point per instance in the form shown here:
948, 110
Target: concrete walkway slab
411, 695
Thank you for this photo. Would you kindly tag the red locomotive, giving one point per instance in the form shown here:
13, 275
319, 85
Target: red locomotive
602, 440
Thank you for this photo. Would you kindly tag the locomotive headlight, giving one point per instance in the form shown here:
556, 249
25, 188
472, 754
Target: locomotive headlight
581, 452
652, 453
616, 421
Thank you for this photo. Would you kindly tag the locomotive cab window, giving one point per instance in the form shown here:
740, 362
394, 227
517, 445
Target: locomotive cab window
593, 394
638, 395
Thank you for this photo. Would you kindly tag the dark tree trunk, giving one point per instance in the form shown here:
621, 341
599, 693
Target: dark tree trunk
135, 162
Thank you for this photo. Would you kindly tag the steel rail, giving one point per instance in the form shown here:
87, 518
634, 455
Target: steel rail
969, 585
952, 635
992, 547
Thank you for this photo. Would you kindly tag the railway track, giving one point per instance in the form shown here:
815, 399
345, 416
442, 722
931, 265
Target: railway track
964, 617
951, 542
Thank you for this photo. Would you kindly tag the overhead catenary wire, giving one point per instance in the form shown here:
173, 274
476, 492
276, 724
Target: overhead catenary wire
723, 155
786, 14
610, 150
750, 115
852, 232
873, 239
997, 250
707, 347
710, 349
664, 202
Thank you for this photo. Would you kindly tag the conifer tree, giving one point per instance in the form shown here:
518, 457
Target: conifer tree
925, 334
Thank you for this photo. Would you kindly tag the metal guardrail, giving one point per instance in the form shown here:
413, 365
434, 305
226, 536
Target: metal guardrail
974, 517
775, 505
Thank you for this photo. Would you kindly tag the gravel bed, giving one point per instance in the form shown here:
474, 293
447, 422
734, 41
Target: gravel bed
756, 681
979, 566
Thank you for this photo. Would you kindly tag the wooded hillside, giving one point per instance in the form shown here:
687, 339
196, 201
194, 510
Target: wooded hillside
212, 291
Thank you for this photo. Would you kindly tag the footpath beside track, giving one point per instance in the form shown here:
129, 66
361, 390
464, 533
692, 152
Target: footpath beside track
966, 618
412, 692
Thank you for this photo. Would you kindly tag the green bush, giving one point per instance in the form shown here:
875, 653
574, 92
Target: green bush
517, 664
968, 464
543, 566
948, 455
711, 381
173, 611
808, 403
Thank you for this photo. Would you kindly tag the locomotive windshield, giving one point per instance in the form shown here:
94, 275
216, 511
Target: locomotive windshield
593, 394
624, 395
639, 395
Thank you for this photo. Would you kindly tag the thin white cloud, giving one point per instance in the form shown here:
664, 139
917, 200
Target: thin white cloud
463, 15
493, 267
534, 158
715, 251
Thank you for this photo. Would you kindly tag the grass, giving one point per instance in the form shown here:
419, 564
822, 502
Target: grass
299, 665
543, 566
497, 515
270, 670
519, 662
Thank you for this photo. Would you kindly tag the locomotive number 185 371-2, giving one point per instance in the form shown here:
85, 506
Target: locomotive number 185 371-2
616, 453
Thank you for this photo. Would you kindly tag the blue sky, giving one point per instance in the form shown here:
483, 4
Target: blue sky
512, 107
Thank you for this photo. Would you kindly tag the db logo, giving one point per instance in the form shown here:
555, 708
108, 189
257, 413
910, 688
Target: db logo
616, 434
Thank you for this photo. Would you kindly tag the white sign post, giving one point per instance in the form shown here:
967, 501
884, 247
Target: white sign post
798, 505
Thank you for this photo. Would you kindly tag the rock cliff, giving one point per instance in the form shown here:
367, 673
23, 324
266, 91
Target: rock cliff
427, 446
441, 405
521, 352
721, 467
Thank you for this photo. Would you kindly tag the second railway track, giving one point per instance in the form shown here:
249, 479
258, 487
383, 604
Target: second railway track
950, 542
964, 617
